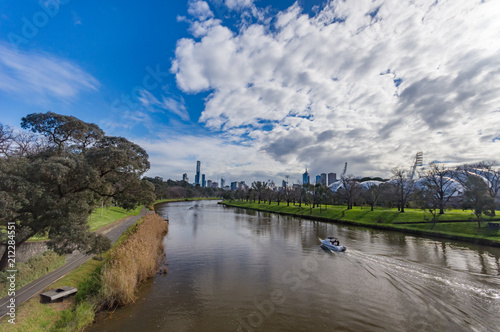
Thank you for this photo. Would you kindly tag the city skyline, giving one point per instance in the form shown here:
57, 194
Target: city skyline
260, 90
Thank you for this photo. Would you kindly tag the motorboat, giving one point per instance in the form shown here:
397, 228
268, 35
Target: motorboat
332, 243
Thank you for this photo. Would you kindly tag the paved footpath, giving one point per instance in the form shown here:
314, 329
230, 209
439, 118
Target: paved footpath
74, 260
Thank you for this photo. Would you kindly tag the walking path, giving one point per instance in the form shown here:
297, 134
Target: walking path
113, 232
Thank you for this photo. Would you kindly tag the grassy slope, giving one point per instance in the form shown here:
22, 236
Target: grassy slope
32, 269
388, 219
35, 316
40, 265
72, 313
109, 215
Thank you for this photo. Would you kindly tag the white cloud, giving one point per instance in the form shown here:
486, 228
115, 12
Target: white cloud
200, 10
377, 80
174, 155
41, 75
238, 4
152, 104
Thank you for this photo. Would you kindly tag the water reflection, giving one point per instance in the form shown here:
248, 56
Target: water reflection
233, 269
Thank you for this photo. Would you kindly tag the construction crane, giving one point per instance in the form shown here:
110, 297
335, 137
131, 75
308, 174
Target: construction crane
419, 159
345, 169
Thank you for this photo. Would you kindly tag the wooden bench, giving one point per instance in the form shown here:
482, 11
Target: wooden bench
58, 293
494, 225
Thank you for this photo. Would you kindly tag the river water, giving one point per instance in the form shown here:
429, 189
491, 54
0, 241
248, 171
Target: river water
237, 270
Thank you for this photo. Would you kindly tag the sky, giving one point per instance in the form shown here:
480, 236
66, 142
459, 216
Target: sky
257, 90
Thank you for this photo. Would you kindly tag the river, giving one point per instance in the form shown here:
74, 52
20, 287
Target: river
231, 269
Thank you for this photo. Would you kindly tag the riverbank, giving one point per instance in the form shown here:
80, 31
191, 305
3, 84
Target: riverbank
170, 200
35, 267
93, 290
455, 224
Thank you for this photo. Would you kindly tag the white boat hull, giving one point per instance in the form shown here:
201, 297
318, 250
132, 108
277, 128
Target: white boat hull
327, 244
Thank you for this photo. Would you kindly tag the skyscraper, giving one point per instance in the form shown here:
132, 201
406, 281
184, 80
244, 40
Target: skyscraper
305, 178
197, 177
203, 182
332, 177
185, 177
323, 179
222, 183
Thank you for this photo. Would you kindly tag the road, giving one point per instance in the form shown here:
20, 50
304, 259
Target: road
113, 232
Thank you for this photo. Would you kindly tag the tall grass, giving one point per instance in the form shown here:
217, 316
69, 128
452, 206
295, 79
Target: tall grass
32, 269
132, 262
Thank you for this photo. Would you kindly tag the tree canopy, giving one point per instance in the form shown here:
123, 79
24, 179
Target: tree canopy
53, 189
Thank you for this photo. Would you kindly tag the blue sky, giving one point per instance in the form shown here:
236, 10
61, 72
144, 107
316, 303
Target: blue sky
262, 89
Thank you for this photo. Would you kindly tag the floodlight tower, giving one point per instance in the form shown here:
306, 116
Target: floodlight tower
419, 159
345, 170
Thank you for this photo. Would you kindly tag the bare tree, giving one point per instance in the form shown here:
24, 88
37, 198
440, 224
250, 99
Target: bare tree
484, 169
260, 188
6, 140
440, 185
404, 186
349, 190
372, 194
288, 194
477, 198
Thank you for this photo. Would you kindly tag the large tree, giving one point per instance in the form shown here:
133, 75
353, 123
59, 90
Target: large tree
260, 188
440, 185
349, 190
404, 187
53, 190
476, 197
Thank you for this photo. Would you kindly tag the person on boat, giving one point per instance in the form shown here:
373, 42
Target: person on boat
335, 242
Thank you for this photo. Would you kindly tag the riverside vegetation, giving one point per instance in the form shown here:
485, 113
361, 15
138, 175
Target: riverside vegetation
101, 284
455, 224
47, 262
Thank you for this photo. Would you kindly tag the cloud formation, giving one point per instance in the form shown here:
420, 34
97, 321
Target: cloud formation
371, 82
40, 75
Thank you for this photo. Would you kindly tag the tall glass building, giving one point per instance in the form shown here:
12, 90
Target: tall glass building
305, 178
197, 177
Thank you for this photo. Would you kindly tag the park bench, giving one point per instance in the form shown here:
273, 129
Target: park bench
59, 293
494, 225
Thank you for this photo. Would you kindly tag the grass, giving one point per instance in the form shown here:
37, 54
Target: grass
133, 261
34, 316
74, 314
413, 220
32, 269
96, 221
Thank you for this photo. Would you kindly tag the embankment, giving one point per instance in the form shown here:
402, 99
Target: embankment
110, 281
453, 226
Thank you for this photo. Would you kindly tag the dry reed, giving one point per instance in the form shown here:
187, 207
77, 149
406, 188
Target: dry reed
133, 261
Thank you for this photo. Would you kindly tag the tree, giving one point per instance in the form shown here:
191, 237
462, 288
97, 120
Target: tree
404, 187
54, 190
348, 190
440, 185
260, 189
288, 194
476, 197
372, 194
299, 193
